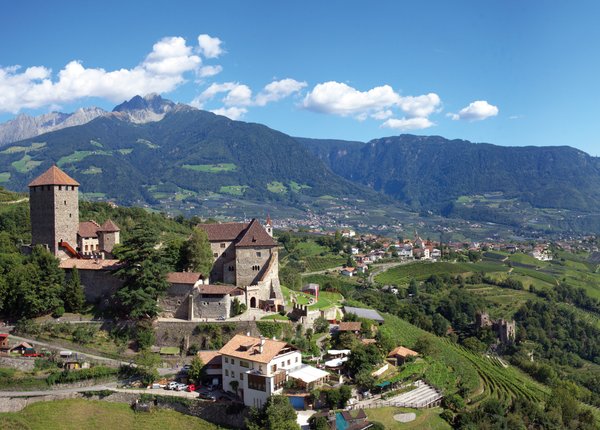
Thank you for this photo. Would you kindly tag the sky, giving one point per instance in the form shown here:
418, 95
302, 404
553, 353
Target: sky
503, 72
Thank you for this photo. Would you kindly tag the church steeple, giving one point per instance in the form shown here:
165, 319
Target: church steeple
269, 225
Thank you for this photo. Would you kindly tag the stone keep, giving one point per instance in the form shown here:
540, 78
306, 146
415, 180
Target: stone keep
54, 208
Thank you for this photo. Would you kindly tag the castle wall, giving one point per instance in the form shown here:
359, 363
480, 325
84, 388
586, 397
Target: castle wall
247, 260
99, 286
108, 240
223, 253
212, 306
175, 303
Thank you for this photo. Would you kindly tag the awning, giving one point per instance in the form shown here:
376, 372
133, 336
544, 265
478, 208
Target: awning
308, 374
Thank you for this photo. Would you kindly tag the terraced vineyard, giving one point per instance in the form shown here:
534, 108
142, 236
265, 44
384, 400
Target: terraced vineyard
500, 382
314, 264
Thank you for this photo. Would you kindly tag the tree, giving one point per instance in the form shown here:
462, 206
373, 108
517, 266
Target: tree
237, 307
143, 273
198, 254
321, 325
318, 423
276, 414
234, 386
73, 295
413, 287
147, 362
196, 371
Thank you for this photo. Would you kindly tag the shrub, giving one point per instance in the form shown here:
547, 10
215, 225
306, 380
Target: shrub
58, 312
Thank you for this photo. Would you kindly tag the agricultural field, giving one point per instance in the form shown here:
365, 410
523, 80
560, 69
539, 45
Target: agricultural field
148, 143
326, 299
92, 170
234, 190
78, 156
422, 270
211, 168
276, 187
35, 146
503, 302
75, 414
25, 164
296, 187
315, 264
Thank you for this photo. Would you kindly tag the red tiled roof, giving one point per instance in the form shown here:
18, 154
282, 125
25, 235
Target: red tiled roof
53, 176
183, 277
88, 229
217, 289
402, 352
3, 335
248, 348
256, 235
109, 226
350, 326
228, 231
210, 358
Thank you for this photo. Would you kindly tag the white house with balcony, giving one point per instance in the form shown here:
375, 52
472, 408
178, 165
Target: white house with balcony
259, 366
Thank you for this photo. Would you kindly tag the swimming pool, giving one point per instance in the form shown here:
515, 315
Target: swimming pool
340, 422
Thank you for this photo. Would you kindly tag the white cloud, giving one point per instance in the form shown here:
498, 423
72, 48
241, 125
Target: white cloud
476, 111
382, 114
341, 99
236, 94
162, 71
378, 103
239, 96
231, 112
420, 106
210, 47
278, 90
208, 71
416, 123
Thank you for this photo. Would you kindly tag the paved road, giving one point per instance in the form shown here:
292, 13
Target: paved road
320, 272
116, 363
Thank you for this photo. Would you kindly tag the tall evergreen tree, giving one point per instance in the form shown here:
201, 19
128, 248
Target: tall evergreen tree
73, 295
198, 253
276, 414
143, 273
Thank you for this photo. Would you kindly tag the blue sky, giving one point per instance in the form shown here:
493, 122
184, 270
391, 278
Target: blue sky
504, 72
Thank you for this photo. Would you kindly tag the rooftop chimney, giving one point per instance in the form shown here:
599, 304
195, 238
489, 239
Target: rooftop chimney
262, 343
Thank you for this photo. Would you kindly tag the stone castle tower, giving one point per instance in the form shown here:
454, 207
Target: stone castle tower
54, 208
108, 236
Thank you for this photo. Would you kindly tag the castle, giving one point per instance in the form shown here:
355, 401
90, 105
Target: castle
245, 268
245, 258
505, 330
54, 209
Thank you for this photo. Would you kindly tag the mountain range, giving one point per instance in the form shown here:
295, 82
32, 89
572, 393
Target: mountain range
149, 149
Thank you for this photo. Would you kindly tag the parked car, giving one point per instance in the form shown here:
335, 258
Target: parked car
172, 385
181, 387
191, 388
221, 318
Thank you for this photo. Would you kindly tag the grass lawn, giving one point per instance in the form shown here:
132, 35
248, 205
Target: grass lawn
296, 187
211, 168
78, 414
326, 299
275, 317
4, 176
427, 419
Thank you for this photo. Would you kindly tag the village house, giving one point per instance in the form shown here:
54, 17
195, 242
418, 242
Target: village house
350, 326
348, 271
213, 366
400, 354
257, 368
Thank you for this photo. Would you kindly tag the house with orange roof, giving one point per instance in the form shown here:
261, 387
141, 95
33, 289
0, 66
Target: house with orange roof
257, 368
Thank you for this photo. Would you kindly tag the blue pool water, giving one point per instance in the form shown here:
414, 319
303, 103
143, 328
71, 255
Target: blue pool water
340, 422
297, 402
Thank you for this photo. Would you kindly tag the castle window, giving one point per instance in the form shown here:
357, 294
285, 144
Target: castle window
258, 254
231, 268
222, 245
226, 372
178, 302
60, 188
65, 202
70, 215
215, 255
